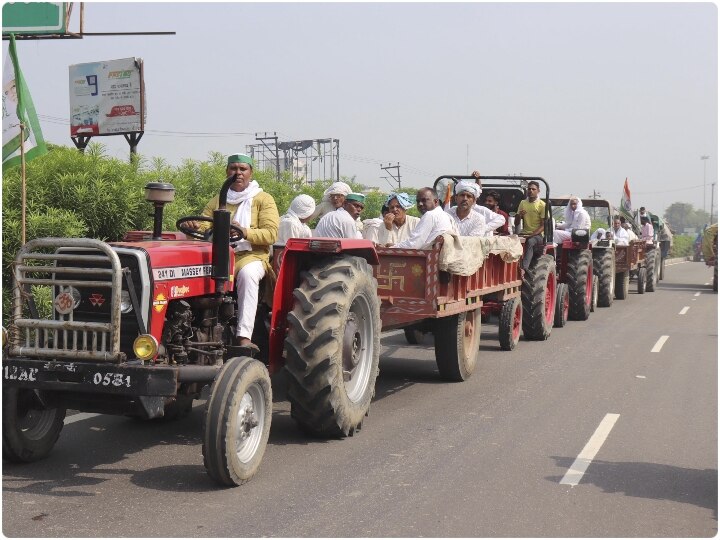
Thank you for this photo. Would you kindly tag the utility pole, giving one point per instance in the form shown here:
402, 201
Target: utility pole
395, 176
595, 195
704, 160
712, 201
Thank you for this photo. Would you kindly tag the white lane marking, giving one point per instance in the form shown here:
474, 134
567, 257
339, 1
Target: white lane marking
697, 294
392, 333
640, 377
660, 343
684, 310
78, 417
582, 462
708, 283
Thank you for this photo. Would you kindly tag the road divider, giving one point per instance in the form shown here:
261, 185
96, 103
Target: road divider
660, 343
582, 462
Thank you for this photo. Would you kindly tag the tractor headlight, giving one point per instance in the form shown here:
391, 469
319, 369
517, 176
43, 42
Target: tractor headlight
145, 347
125, 302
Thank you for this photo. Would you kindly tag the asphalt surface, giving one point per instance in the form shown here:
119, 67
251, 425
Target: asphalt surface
590, 433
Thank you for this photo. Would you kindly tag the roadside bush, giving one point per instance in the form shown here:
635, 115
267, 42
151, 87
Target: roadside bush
682, 246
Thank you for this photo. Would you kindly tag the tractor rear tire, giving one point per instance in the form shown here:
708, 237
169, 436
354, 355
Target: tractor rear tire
333, 347
457, 340
237, 421
622, 285
29, 432
715, 280
562, 306
511, 315
651, 276
604, 269
579, 276
538, 297
641, 280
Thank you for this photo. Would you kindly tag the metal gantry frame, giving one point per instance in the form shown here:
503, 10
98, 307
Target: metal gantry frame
308, 160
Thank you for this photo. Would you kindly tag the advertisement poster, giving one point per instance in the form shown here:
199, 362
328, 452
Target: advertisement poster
106, 97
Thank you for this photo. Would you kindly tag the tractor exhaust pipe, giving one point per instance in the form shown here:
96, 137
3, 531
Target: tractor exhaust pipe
221, 238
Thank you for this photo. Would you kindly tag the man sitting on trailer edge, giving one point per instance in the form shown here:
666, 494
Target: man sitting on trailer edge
532, 213
493, 220
434, 221
397, 225
468, 222
342, 222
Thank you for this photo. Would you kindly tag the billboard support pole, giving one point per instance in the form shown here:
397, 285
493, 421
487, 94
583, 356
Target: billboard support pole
133, 139
81, 141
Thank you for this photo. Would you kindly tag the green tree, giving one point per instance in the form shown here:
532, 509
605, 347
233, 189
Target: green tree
683, 215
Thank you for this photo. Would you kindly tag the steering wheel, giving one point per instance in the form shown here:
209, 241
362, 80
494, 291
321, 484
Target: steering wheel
202, 235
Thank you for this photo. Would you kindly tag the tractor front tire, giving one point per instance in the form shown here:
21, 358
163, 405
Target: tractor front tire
29, 431
457, 340
333, 347
237, 421
641, 280
562, 306
538, 298
579, 275
511, 316
622, 285
604, 269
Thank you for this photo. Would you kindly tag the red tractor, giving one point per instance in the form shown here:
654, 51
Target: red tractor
139, 327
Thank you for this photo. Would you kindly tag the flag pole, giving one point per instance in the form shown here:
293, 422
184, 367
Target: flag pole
22, 174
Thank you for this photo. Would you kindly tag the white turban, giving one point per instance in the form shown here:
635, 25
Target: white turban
302, 206
569, 212
337, 188
468, 186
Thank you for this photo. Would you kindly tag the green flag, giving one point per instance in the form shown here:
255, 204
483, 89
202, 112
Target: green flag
18, 108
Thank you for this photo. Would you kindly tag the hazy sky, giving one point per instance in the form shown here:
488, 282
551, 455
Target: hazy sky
581, 94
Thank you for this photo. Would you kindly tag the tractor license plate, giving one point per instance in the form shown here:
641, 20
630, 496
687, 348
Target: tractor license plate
20, 373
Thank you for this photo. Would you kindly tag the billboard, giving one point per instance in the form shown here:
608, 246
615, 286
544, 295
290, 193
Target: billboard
107, 98
34, 17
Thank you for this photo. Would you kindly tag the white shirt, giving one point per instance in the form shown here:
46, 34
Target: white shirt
492, 220
432, 224
471, 225
371, 227
292, 227
397, 234
631, 234
621, 237
337, 224
580, 220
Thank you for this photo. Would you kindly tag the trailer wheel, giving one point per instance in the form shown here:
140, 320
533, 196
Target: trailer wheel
511, 315
414, 336
562, 305
333, 347
641, 280
622, 285
579, 275
457, 340
538, 298
604, 269
715, 281
237, 421
651, 271
29, 431
594, 303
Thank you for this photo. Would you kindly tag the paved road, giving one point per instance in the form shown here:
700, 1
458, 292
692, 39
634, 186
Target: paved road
608, 429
